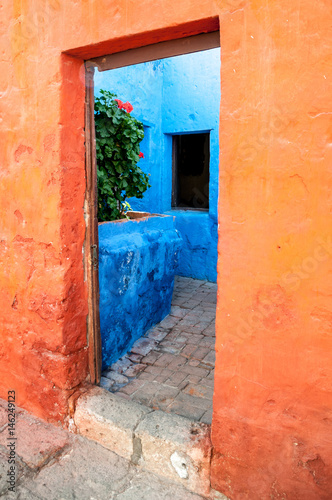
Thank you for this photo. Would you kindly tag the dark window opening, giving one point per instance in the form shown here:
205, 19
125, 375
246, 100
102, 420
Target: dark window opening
191, 159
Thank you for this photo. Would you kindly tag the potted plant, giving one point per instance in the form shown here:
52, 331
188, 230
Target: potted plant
138, 252
118, 137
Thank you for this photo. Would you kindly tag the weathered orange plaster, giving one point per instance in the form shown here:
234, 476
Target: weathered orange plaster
272, 416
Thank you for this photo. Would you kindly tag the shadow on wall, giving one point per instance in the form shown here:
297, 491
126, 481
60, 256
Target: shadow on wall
175, 96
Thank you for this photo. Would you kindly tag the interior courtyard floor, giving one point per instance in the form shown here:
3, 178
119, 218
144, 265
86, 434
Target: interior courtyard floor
171, 368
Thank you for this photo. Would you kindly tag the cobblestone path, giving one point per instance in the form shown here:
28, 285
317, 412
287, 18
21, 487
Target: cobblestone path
171, 368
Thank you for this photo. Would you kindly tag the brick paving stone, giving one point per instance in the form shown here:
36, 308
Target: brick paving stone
157, 334
178, 312
190, 304
169, 322
178, 302
164, 397
201, 391
207, 306
132, 387
135, 358
210, 285
194, 362
145, 393
121, 365
200, 353
106, 383
171, 347
211, 298
192, 314
173, 334
166, 371
190, 348
134, 370
186, 410
193, 379
163, 375
210, 331
207, 417
183, 323
208, 382
207, 289
143, 346
195, 338
146, 376
196, 330
154, 370
194, 401
160, 379
183, 338
208, 315
177, 362
194, 370
118, 378
200, 309
176, 378
184, 293
151, 358
183, 384
203, 324
164, 360
210, 358
201, 295
207, 342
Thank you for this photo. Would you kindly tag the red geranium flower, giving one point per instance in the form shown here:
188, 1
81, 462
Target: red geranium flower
141, 155
128, 107
120, 103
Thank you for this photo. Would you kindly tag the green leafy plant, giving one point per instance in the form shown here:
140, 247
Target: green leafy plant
118, 137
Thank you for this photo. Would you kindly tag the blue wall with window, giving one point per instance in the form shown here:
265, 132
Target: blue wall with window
175, 96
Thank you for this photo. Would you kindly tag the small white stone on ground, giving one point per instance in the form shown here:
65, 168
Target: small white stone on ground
180, 465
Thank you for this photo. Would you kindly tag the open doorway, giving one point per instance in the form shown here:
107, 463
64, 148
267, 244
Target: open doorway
197, 211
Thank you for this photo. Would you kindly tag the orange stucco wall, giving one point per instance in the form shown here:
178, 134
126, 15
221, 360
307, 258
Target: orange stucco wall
272, 406
273, 399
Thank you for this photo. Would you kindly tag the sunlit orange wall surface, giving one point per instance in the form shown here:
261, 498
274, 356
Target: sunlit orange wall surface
272, 417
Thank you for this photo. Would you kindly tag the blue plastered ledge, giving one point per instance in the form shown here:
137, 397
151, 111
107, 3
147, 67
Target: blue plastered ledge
137, 263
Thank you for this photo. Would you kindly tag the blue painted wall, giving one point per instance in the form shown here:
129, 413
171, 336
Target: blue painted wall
137, 262
174, 96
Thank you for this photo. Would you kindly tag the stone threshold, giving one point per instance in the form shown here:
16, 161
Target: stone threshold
166, 444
